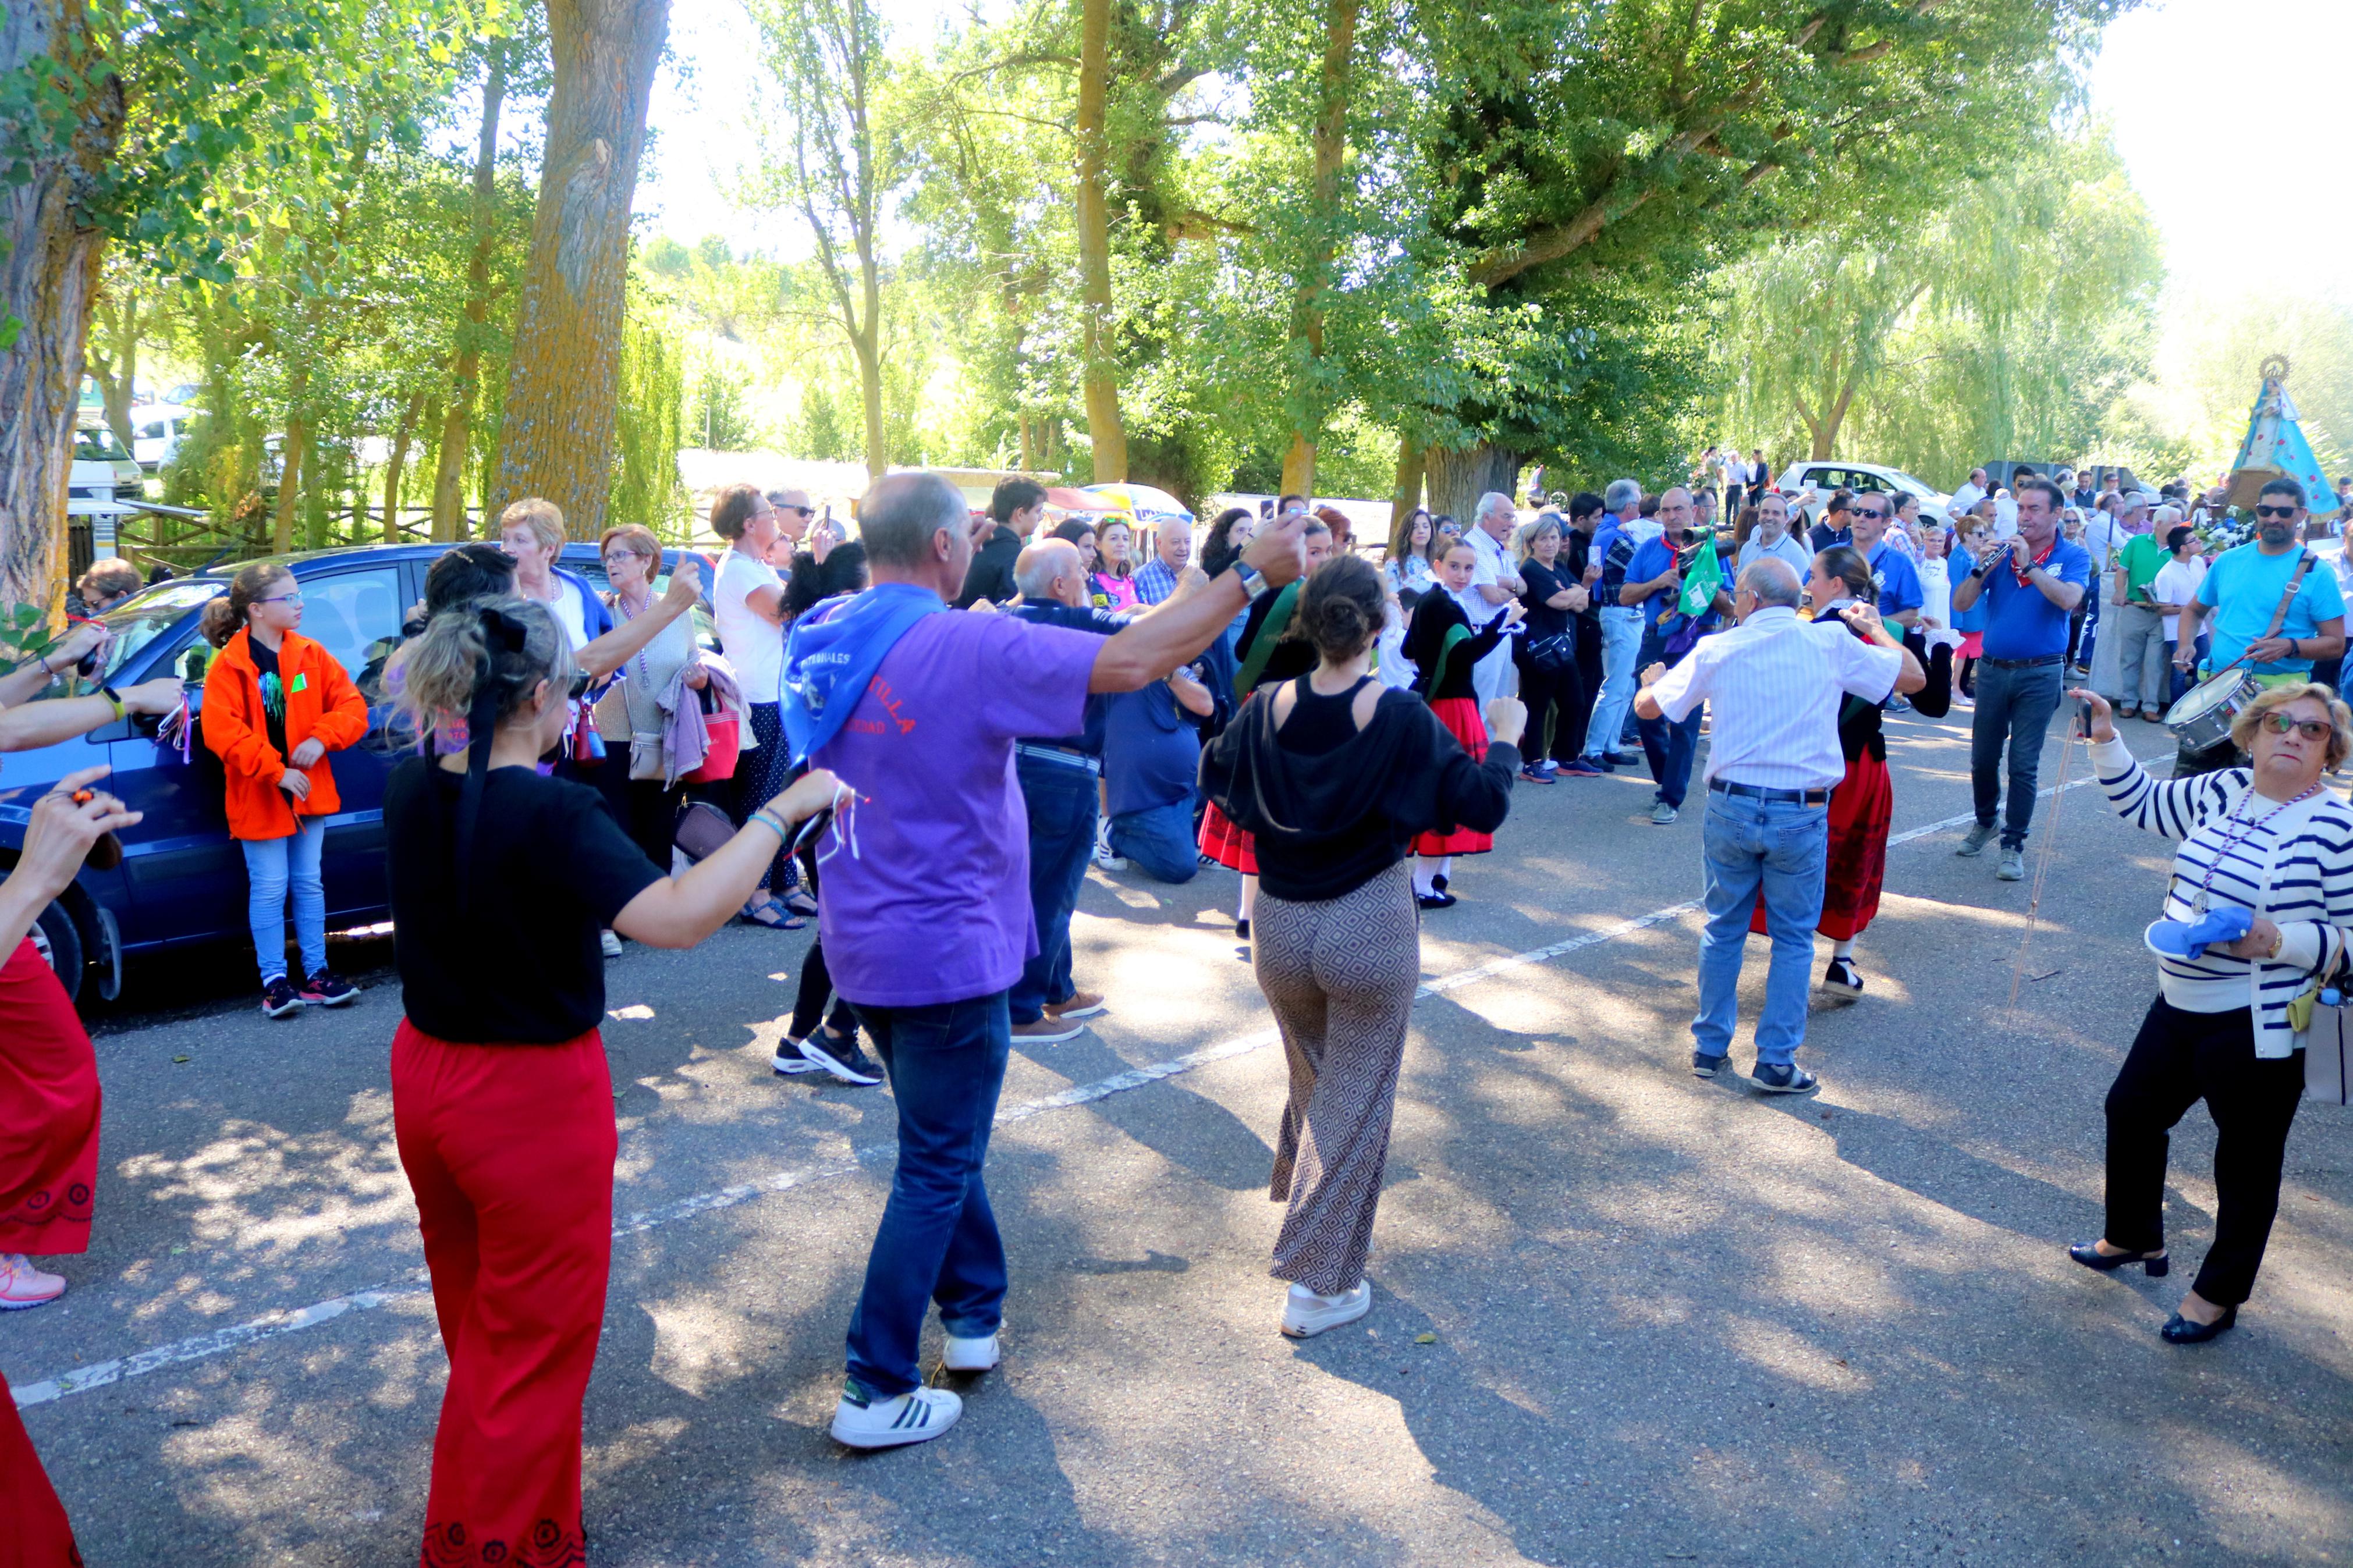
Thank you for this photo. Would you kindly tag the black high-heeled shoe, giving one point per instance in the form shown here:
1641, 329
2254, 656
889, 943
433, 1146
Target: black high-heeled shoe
2181, 1330
2156, 1263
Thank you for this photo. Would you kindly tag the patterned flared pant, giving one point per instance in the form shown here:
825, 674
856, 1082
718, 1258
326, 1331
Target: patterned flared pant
1340, 976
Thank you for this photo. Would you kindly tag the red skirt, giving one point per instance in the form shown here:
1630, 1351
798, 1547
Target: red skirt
1230, 846
1462, 718
32, 1528
48, 1112
1972, 646
1861, 808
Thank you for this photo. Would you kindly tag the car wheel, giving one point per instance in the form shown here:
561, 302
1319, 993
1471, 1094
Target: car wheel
59, 942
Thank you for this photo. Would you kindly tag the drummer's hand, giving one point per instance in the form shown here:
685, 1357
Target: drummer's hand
2186, 657
2267, 651
2103, 726
2261, 938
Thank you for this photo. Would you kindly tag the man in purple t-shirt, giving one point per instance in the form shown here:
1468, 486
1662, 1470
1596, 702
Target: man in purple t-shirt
926, 914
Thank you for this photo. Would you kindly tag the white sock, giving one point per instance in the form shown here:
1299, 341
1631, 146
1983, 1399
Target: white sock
1446, 867
1843, 949
1421, 888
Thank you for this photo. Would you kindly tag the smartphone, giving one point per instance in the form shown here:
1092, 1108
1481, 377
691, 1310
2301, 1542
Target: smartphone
2083, 710
810, 827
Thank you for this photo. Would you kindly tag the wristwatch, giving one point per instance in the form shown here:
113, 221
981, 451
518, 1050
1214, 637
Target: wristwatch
1252, 580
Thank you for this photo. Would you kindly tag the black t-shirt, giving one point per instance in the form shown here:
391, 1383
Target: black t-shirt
273, 693
550, 868
1544, 581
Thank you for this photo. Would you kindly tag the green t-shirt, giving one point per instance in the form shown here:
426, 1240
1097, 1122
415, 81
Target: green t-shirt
2142, 559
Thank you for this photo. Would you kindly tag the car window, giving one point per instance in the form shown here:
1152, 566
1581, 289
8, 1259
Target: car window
147, 617
355, 616
97, 446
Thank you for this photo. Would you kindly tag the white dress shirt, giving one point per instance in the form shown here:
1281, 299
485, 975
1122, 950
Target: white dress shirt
1492, 677
1773, 685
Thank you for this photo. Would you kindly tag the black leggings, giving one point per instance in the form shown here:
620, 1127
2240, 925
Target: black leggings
647, 809
2177, 1059
1557, 697
817, 983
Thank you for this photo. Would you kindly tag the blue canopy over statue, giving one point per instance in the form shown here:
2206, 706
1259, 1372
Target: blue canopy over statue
2276, 448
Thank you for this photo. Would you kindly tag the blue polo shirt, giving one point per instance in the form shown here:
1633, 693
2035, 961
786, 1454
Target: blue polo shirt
1613, 547
2019, 622
1651, 558
1897, 580
2243, 587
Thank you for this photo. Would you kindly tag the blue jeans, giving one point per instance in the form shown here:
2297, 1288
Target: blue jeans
1060, 798
2014, 709
1780, 848
1158, 841
1622, 639
938, 1237
1666, 744
270, 864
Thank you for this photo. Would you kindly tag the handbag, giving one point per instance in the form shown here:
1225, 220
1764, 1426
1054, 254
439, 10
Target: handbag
702, 830
723, 730
1553, 654
2328, 1042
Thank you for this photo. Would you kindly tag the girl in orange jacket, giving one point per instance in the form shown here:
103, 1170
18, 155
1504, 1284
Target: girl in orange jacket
275, 705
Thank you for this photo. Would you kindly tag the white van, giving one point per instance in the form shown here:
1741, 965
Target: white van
155, 432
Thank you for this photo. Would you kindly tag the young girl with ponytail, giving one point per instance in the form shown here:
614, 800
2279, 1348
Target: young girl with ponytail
275, 704
503, 1103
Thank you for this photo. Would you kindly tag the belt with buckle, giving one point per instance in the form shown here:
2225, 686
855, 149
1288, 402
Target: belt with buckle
1759, 791
2022, 663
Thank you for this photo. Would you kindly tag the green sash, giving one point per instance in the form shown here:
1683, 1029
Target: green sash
1270, 632
1456, 636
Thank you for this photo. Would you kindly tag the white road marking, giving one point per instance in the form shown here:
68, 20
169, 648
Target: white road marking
270, 1325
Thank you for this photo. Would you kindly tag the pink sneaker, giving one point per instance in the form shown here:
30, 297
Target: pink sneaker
22, 1285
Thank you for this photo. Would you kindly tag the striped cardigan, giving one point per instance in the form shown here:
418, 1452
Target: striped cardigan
2297, 870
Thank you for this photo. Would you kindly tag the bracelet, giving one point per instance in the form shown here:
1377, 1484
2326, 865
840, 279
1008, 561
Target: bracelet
112, 696
766, 820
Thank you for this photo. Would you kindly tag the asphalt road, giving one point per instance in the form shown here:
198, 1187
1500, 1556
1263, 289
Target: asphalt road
1621, 1315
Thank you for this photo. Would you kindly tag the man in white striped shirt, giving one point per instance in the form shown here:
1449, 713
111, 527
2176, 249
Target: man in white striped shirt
1774, 685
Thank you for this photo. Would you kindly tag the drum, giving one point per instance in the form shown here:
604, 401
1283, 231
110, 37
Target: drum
2203, 718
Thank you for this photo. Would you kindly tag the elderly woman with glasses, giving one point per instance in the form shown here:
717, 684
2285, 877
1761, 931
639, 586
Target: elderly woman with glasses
2267, 849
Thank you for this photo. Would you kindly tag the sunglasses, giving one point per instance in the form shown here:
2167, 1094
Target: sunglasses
2310, 729
2275, 511
579, 686
1871, 516
804, 510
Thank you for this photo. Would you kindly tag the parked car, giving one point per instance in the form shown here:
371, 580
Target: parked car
156, 429
97, 444
182, 878
1823, 477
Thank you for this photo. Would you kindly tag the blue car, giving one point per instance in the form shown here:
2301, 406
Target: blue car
182, 878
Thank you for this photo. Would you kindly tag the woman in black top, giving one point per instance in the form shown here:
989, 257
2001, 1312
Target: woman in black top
1334, 775
1266, 654
501, 1102
1551, 682
1443, 648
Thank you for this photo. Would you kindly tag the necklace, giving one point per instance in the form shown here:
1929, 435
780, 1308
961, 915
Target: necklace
2237, 830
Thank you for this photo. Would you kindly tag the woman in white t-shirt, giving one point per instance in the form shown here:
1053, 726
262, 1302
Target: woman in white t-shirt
2175, 585
747, 601
532, 530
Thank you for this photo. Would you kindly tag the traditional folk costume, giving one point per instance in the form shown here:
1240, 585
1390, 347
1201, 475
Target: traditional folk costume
49, 1103
1444, 648
1260, 659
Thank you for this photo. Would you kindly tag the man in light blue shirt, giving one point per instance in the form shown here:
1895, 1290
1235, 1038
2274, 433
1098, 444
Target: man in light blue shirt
1774, 539
2242, 591
1892, 571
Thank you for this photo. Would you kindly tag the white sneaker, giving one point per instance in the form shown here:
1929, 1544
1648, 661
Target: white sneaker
1107, 857
917, 1415
1305, 1314
609, 942
971, 1355
23, 1286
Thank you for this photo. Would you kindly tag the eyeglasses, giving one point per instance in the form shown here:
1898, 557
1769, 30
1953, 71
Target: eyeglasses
293, 599
1871, 516
2279, 723
2275, 511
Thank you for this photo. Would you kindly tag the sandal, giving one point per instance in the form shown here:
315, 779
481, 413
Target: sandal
800, 902
773, 916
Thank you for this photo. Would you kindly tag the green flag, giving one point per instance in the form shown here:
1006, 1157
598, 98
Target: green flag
1702, 579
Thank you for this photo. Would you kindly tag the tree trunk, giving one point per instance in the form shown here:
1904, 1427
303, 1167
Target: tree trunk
289, 474
1310, 397
458, 422
117, 374
556, 440
1457, 479
48, 280
393, 472
1101, 372
1407, 495
870, 398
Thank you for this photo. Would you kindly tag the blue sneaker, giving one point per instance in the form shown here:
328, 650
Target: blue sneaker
1706, 1066
1579, 768
1787, 1078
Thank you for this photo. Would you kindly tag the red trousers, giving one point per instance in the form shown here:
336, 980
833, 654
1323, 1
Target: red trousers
32, 1528
510, 1151
48, 1112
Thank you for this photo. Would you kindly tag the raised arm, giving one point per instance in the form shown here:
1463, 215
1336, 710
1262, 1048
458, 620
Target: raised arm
2169, 807
609, 652
1151, 645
